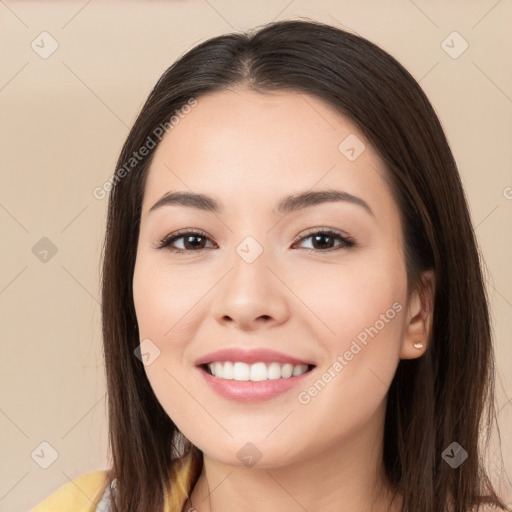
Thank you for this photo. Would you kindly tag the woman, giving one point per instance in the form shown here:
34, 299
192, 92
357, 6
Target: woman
287, 323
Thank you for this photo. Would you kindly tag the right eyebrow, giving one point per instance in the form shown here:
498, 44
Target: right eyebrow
199, 201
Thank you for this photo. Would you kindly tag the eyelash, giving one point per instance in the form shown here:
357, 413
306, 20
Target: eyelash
346, 242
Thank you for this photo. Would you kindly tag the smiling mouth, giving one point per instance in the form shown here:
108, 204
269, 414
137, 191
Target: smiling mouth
256, 372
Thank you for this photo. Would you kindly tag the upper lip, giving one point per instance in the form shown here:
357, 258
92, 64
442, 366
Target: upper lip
249, 356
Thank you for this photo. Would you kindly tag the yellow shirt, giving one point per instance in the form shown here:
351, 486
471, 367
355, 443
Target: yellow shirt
85, 492
80, 495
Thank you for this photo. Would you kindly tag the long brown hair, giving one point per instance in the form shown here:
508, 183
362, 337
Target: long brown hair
444, 396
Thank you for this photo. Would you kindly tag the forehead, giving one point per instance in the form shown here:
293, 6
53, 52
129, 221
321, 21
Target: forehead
247, 147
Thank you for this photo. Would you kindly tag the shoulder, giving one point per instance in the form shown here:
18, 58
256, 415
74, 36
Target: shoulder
81, 494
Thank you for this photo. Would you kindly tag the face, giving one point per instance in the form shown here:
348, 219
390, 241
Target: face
321, 282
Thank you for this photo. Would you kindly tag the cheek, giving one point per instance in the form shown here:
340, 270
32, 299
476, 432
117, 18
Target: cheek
164, 309
346, 298
165, 299
170, 307
357, 311
362, 321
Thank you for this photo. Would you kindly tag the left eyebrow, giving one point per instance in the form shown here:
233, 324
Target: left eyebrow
286, 205
312, 198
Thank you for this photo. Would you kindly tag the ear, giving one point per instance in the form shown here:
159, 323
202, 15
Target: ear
419, 316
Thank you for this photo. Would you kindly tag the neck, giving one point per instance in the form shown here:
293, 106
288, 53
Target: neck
346, 477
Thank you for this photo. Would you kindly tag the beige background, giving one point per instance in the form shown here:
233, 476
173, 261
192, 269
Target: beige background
63, 121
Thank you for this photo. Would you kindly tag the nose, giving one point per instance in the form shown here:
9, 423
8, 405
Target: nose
251, 297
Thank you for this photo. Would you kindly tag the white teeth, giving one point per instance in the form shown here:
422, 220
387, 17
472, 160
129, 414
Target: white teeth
255, 372
240, 371
227, 370
218, 369
258, 372
297, 370
287, 371
274, 371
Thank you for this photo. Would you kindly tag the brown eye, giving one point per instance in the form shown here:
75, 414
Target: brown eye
189, 241
325, 241
194, 241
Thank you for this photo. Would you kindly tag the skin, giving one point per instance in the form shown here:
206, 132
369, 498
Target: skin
249, 150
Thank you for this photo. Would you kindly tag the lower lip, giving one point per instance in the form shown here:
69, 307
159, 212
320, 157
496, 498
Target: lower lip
249, 391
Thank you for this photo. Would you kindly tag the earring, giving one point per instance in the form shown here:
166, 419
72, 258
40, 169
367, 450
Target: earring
419, 346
